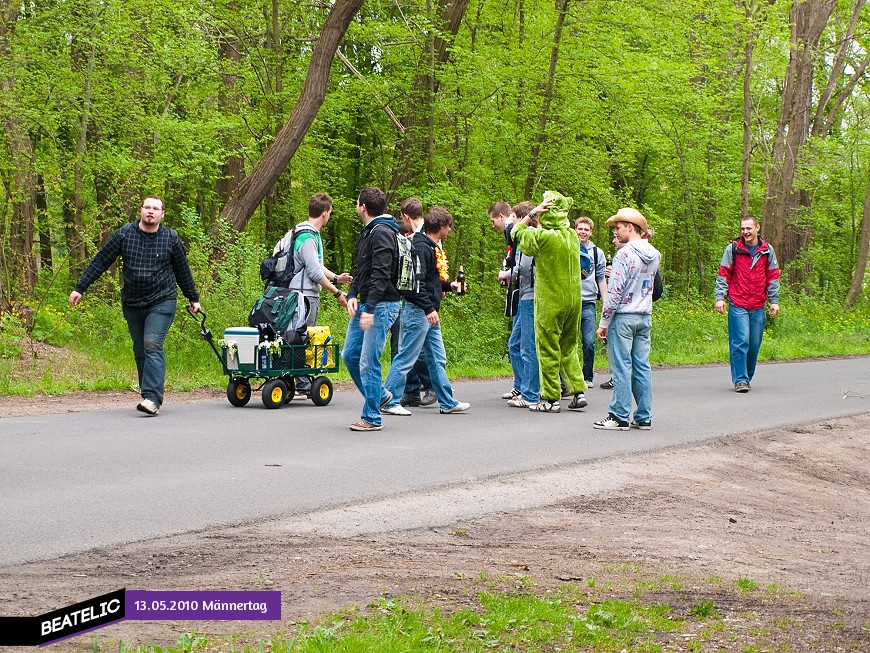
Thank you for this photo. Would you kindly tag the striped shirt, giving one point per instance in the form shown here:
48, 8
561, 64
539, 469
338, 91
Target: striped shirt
152, 265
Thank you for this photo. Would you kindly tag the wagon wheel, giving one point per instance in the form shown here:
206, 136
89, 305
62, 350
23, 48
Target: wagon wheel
290, 382
274, 393
239, 392
321, 391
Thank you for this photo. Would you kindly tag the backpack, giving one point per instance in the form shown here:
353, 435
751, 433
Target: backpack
281, 309
409, 270
278, 269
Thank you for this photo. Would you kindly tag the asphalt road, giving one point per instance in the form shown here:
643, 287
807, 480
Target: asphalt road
73, 482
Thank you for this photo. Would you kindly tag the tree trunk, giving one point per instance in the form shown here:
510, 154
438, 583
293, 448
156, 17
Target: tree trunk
21, 264
808, 20
233, 168
544, 117
419, 123
276, 159
863, 248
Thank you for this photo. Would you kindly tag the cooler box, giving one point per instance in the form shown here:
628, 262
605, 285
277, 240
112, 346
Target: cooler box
319, 356
244, 358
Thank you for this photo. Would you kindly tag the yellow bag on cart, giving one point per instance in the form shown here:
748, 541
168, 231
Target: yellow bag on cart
319, 356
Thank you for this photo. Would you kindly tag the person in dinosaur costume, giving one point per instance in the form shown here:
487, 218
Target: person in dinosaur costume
557, 299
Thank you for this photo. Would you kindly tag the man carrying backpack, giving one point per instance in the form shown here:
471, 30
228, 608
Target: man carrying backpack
308, 274
421, 324
748, 278
593, 286
373, 304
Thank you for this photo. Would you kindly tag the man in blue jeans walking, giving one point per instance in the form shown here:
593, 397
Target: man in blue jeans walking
372, 304
154, 262
626, 321
421, 324
748, 278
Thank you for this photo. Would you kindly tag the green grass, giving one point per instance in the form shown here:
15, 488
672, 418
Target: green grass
96, 352
570, 618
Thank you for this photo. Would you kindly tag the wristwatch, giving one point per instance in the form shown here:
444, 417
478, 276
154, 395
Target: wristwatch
334, 278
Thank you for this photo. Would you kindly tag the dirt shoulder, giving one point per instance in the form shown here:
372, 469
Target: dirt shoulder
788, 511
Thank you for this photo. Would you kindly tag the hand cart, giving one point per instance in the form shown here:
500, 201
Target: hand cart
273, 369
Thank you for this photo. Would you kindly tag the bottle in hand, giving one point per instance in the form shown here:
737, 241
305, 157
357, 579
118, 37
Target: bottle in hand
460, 279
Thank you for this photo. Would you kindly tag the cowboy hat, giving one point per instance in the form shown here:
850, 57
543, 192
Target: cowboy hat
629, 215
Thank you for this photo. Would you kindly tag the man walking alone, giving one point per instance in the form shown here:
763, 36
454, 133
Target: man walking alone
748, 278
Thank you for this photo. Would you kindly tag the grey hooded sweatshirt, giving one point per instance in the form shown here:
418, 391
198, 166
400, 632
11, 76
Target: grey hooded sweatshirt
631, 281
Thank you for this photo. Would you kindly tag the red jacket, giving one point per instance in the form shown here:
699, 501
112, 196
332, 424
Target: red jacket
748, 281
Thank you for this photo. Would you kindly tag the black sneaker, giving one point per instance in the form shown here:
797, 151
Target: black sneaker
578, 401
741, 387
408, 400
610, 423
428, 398
643, 425
607, 385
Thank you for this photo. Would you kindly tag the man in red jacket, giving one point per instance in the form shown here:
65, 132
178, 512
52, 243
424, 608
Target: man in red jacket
748, 278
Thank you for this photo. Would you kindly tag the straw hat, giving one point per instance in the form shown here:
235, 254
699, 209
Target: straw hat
629, 215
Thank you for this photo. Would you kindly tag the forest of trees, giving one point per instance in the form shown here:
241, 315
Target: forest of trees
693, 111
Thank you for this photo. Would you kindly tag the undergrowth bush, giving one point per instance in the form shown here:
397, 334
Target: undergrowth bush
97, 352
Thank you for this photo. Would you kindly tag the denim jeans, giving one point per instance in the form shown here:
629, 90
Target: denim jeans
628, 343
745, 331
515, 353
587, 335
530, 373
420, 336
148, 328
418, 377
362, 355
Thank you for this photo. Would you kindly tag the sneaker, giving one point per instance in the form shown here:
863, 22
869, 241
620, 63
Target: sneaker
365, 426
148, 406
590, 384
428, 398
395, 410
741, 387
408, 400
566, 394
607, 385
301, 396
578, 401
512, 394
643, 425
610, 423
519, 402
384, 402
546, 406
461, 407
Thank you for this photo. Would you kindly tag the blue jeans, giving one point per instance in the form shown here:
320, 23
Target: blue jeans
745, 331
362, 355
515, 353
628, 343
148, 328
587, 335
530, 373
420, 336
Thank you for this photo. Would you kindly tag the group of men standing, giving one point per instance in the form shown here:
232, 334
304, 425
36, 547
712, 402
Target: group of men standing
560, 275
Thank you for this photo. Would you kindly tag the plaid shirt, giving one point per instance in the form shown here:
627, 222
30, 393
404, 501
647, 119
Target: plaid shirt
153, 263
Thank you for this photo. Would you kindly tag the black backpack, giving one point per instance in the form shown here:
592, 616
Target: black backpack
278, 269
281, 311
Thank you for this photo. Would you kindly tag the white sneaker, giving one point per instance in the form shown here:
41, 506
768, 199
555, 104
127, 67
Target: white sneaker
513, 393
395, 410
518, 402
546, 406
461, 407
148, 406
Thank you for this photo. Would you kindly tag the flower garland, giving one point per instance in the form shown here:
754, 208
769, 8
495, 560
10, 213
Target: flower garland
442, 264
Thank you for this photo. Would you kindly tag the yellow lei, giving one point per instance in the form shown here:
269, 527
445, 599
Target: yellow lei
441, 263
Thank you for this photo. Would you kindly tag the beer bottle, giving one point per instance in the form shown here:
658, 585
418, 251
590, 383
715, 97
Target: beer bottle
460, 279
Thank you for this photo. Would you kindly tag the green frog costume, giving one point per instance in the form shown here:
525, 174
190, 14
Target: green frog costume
557, 296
